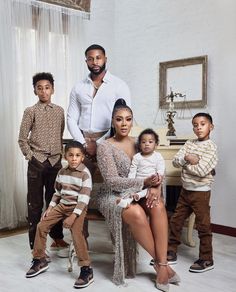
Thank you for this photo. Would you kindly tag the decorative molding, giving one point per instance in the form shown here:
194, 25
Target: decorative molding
83, 5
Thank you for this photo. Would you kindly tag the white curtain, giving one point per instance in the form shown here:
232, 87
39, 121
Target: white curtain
35, 37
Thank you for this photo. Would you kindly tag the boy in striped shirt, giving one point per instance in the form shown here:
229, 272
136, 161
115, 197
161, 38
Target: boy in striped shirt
198, 159
69, 203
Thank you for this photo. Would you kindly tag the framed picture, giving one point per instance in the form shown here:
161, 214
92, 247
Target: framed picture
187, 77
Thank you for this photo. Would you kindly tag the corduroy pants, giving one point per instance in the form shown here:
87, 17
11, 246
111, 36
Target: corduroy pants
199, 203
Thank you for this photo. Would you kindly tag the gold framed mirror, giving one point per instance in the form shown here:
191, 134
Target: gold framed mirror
186, 76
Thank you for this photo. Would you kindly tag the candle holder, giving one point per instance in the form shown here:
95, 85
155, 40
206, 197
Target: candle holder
170, 114
170, 122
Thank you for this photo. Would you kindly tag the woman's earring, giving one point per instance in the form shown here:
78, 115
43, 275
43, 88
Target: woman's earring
112, 131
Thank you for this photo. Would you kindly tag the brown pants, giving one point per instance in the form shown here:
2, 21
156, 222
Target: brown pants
59, 212
197, 202
41, 178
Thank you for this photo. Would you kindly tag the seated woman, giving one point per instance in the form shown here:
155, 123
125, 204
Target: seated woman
129, 225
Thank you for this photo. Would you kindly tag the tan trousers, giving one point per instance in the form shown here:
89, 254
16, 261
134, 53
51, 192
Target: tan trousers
199, 203
59, 212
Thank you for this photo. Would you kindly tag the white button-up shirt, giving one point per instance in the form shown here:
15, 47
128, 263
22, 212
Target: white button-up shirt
93, 114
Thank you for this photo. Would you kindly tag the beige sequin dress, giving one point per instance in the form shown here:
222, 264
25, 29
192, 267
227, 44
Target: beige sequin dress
114, 166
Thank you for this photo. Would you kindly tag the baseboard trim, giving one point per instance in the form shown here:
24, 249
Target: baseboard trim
226, 230
12, 232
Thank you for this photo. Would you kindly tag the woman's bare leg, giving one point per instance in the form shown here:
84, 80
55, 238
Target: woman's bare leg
153, 235
159, 227
137, 220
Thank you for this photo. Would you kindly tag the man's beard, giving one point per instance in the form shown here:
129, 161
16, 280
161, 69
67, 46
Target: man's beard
94, 72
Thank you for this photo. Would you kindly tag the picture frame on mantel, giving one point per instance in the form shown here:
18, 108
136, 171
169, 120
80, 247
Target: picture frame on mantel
187, 77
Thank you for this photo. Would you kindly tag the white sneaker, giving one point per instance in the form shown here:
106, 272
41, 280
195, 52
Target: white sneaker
63, 253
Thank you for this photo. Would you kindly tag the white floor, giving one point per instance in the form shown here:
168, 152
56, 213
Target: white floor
15, 260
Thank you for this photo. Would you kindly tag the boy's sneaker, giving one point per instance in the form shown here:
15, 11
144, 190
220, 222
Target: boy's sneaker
85, 277
201, 266
171, 257
38, 266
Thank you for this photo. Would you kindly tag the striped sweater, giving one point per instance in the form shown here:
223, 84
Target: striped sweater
197, 177
73, 187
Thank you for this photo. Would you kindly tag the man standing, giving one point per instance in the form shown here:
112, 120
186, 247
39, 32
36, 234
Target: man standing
92, 101
91, 104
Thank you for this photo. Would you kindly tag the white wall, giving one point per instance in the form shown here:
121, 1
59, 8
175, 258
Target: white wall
140, 34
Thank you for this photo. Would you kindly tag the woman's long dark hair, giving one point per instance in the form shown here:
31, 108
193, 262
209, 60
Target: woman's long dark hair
119, 104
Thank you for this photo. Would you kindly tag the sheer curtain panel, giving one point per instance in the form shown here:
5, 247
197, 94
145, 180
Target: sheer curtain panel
35, 37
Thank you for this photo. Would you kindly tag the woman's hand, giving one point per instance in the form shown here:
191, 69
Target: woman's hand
153, 197
68, 222
45, 214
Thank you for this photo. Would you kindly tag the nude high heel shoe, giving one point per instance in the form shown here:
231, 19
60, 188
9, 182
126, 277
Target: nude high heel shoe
161, 286
175, 279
